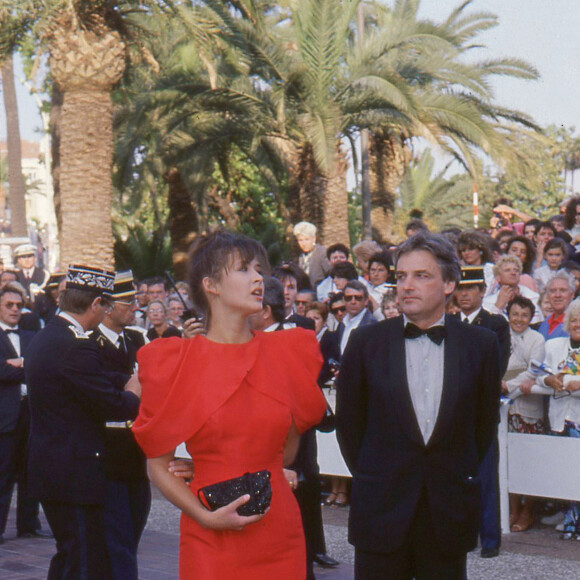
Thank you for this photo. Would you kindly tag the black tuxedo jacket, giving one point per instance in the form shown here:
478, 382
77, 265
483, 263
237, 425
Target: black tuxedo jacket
499, 325
70, 398
383, 446
301, 321
124, 459
10, 379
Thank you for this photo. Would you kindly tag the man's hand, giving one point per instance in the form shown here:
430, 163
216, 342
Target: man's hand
15, 362
572, 386
193, 327
182, 468
505, 294
134, 386
504, 388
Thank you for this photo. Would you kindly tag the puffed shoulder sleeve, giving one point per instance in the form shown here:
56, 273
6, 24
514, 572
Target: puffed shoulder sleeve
304, 361
158, 428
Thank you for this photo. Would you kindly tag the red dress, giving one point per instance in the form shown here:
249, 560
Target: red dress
233, 405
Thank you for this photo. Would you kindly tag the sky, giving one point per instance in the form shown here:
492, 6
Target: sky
546, 33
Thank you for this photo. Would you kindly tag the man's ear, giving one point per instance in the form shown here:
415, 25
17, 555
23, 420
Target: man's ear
449, 287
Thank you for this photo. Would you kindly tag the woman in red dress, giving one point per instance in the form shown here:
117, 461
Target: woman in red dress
239, 401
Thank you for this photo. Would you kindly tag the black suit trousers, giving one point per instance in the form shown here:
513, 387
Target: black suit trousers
420, 556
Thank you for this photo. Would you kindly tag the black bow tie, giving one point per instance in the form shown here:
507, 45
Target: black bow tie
435, 333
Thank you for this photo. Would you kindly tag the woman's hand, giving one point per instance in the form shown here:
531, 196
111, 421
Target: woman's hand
555, 382
526, 386
227, 518
572, 386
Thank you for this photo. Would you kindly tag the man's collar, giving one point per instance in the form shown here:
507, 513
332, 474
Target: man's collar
71, 320
349, 321
471, 317
440, 322
6, 327
108, 333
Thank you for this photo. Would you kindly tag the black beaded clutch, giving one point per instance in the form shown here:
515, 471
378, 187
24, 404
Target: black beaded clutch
256, 485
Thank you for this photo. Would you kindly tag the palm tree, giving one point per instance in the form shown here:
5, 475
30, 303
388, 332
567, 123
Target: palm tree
17, 187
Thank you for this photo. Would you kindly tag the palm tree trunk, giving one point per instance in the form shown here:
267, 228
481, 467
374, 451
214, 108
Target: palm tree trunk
183, 221
55, 116
389, 157
16, 182
323, 197
86, 64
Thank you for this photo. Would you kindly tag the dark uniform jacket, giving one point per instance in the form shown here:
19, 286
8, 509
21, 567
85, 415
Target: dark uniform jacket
124, 459
71, 398
39, 277
382, 443
10, 380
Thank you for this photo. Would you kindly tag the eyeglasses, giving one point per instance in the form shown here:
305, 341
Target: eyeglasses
338, 309
18, 305
355, 297
302, 302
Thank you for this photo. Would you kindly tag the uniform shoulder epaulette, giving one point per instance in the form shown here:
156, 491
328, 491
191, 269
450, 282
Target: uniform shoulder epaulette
78, 333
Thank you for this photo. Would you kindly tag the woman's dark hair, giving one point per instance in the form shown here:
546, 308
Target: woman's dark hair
383, 258
337, 248
474, 240
77, 301
528, 263
570, 215
210, 255
522, 303
335, 297
546, 225
344, 270
321, 308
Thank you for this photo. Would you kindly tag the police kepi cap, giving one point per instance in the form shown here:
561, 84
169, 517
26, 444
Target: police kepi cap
124, 287
89, 278
471, 275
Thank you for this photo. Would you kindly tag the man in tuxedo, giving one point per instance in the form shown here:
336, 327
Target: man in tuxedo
470, 297
71, 397
29, 273
128, 493
14, 417
417, 406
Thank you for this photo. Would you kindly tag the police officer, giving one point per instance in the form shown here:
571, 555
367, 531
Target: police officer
71, 398
128, 494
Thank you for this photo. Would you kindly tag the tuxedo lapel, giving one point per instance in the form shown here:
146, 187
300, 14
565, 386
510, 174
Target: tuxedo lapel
7, 345
399, 385
451, 378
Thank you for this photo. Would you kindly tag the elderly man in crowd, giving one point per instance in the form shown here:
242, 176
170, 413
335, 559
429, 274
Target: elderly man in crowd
313, 259
560, 291
507, 271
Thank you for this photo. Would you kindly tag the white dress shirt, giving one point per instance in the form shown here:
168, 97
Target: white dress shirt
15, 340
424, 362
469, 318
349, 325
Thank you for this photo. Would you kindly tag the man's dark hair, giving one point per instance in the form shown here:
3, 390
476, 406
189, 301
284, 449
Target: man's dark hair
557, 243
439, 247
289, 270
344, 270
547, 225
522, 303
274, 297
77, 301
156, 281
337, 248
13, 288
358, 286
531, 222
416, 225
